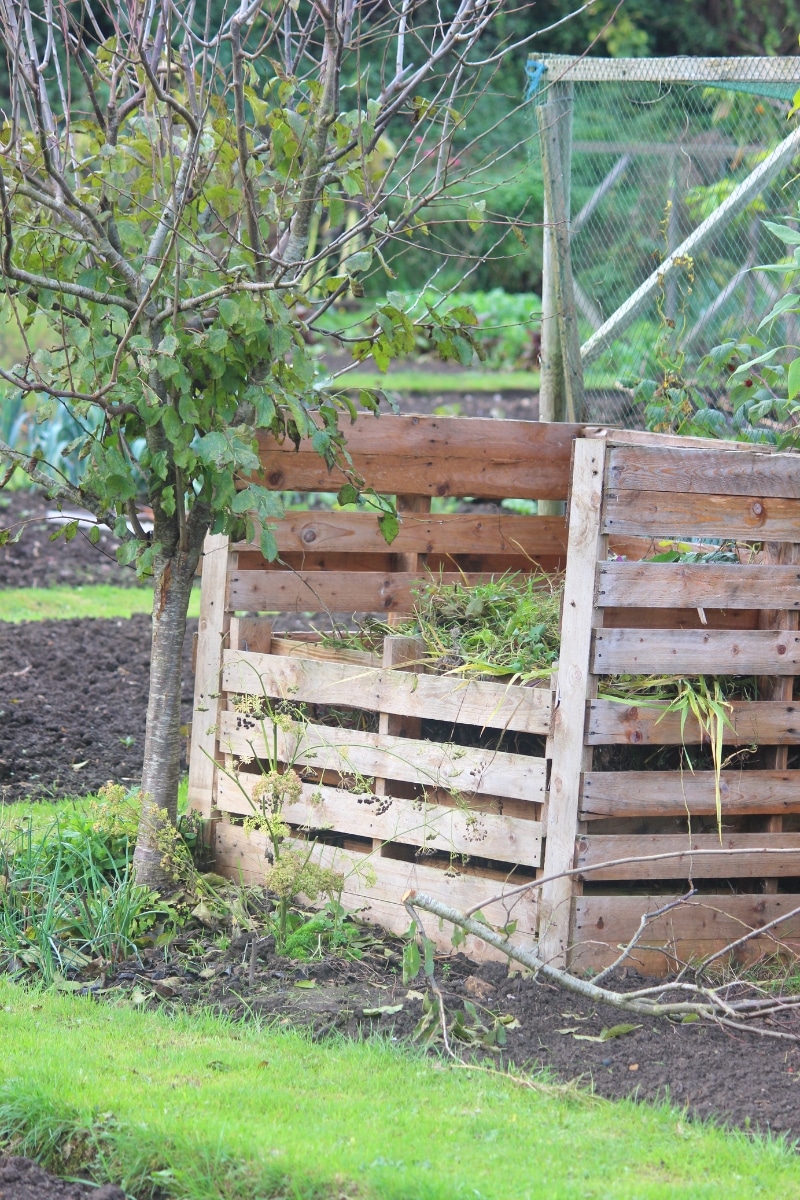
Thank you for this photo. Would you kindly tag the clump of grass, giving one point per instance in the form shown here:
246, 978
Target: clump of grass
68, 896
508, 626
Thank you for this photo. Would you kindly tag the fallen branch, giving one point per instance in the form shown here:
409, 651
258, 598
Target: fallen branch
707, 1003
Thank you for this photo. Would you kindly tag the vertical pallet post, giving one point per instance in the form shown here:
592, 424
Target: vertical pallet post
566, 317
586, 545
400, 650
211, 633
780, 687
559, 110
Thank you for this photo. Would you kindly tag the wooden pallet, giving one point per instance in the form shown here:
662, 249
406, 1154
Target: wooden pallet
619, 618
389, 799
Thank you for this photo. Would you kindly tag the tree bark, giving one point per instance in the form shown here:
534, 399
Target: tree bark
161, 771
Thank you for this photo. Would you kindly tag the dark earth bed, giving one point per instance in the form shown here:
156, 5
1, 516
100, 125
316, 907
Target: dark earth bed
74, 692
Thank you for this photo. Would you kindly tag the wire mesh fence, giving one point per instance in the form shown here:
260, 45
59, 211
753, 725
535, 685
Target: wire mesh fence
675, 163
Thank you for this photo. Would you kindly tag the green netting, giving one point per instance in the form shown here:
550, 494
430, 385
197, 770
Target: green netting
652, 158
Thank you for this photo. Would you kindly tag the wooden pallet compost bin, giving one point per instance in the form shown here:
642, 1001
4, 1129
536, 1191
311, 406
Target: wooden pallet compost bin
402, 790
611, 796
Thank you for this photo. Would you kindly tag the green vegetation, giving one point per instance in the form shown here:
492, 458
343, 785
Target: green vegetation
68, 896
508, 626
98, 600
422, 380
205, 1109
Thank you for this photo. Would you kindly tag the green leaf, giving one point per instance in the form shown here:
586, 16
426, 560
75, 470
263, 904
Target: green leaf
94, 534
172, 424
168, 344
228, 311
305, 983
347, 494
389, 526
476, 214
269, 547
606, 1034
217, 340
790, 237
383, 1010
360, 261
793, 378
411, 962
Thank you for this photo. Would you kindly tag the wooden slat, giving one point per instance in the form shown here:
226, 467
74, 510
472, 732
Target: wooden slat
696, 652
442, 697
251, 633
333, 591
671, 514
333, 653
470, 564
212, 628
705, 472
676, 793
599, 848
420, 533
617, 724
685, 585
242, 857
585, 546
429, 764
699, 928
435, 456
680, 618
390, 819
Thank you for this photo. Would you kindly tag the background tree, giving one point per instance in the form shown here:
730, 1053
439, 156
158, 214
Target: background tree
165, 173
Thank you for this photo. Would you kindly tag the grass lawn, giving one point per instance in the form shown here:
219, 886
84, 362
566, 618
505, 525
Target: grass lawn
420, 380
100, 600
210, 1109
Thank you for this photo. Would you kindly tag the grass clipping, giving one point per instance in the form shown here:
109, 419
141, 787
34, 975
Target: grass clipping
507, 627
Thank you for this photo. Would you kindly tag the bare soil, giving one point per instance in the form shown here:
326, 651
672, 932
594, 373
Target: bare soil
21, 1179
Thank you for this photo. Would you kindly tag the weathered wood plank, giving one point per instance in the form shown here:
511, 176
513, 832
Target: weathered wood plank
574, 683
617, 724
419, 533
212, 628
686, 585
251, 633
671, 514
342, 654
696, 652
773, 854
706, 471
334, 591
443, 697
429, 764
680, 618
698, 928
435, 456
676, 793
239, 856
391, 819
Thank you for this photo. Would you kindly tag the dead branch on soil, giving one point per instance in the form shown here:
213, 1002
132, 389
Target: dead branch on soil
674, 1000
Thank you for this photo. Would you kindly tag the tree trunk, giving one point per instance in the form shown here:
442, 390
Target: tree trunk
161, 771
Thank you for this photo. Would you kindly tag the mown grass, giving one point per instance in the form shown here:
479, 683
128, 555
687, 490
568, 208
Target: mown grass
207, 1109
43, 813
61, 603
422, 381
